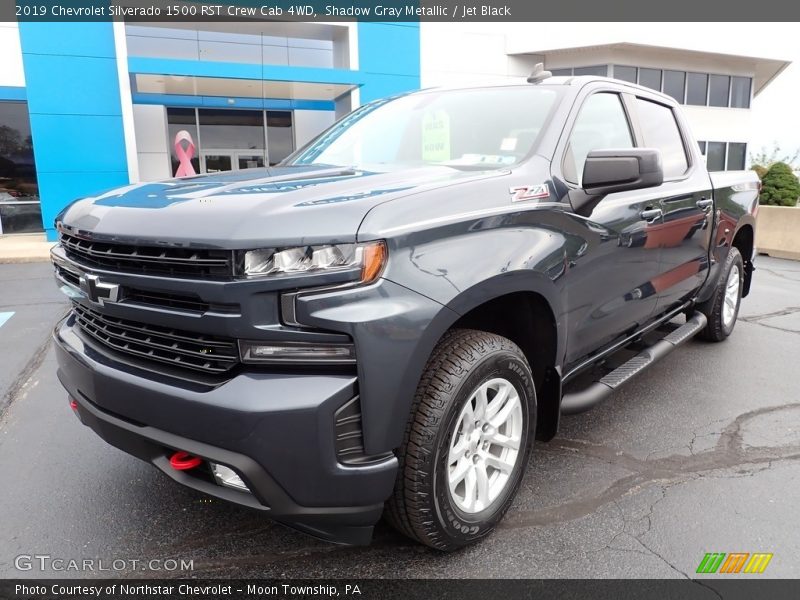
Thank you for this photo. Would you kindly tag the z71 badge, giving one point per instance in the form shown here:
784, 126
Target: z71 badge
529, 192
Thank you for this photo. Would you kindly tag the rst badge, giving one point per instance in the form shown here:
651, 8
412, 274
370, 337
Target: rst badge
98, 291
529, 192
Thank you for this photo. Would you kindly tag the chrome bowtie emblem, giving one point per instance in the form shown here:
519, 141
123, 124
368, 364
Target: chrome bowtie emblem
98, 291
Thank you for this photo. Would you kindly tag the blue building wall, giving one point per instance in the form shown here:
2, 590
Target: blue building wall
72, 88
388, 59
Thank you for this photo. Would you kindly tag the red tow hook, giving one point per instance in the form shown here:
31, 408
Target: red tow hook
73, 404
183, 461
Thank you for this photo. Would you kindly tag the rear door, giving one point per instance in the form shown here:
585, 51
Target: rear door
684, 234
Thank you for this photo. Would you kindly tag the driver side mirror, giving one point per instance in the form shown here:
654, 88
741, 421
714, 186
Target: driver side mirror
610, 171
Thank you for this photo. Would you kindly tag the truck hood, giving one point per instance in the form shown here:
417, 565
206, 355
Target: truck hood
254, 208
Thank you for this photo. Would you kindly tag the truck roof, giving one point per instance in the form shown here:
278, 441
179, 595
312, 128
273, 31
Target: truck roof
577, 81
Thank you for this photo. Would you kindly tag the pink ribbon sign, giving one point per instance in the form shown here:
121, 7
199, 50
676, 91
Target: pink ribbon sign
184, 153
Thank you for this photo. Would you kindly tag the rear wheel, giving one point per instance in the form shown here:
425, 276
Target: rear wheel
467, 443
722, 308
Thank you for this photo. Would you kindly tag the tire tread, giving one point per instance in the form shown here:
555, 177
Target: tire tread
714, 331
452, 359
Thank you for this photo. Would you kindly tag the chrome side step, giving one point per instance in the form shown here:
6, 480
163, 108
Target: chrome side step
598, 391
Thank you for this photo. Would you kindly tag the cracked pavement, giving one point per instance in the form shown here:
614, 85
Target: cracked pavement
699, 454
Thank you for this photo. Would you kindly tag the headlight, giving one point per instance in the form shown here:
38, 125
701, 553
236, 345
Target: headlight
371, 257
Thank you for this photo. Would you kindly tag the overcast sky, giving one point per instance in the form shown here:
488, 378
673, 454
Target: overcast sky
776, 110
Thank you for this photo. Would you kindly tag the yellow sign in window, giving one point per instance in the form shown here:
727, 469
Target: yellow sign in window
436, 136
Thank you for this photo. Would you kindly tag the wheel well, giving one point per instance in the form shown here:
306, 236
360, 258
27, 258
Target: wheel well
527, 320
743, 242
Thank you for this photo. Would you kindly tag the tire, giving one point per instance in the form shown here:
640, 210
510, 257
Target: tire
426, 506
722, 319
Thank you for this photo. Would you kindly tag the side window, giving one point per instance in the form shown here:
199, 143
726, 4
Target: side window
660, 130
601, 124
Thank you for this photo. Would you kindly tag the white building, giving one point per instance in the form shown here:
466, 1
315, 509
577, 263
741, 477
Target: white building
715, 70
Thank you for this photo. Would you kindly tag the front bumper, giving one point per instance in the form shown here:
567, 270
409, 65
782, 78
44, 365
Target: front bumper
276, 430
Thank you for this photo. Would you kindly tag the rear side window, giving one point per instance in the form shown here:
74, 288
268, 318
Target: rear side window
600, 125
660, 130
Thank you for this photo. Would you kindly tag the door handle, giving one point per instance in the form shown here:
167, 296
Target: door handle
704, 203
651, 214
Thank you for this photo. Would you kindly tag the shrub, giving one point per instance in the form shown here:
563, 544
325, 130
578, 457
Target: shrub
780, 187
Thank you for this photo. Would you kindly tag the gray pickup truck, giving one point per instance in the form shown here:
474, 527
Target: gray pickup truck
385, 321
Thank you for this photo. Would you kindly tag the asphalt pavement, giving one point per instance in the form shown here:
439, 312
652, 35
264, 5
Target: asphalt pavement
699, 454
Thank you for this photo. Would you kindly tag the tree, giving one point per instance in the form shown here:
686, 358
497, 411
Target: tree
10, 140
762, 161
780, 187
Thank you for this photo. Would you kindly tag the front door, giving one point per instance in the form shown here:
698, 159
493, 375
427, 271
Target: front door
612, 279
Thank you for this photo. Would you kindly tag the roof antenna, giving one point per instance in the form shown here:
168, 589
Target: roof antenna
539, 74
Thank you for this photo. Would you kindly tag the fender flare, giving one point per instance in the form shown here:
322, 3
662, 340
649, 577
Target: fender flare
473, 297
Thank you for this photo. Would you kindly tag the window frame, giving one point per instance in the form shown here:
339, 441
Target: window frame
728, 156
685, 142
686, 95
724, 155
574, 119
628, 99
727, 104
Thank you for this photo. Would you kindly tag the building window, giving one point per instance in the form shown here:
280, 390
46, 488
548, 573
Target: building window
697, 89
740, 92
724, 156
660, 130
650, 78
229, 139
715, 156
232, 129
183, 120
718, 90
736, 156
231, 46
20, 211
625, 73
280, 135
675, 84
599, 70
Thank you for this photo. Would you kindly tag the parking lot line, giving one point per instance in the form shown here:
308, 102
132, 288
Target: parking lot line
5, 316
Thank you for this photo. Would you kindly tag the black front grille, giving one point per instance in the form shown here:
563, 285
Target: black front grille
183, 349
149, 260
180, 302
162, 300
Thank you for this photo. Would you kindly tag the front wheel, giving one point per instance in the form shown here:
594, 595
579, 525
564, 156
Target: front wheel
722, 308
468, 441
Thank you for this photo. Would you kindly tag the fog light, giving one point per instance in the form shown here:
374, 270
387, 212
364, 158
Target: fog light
227, 477
287, 352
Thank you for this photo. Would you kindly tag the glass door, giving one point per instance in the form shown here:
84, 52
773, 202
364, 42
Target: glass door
215, 161
247, 159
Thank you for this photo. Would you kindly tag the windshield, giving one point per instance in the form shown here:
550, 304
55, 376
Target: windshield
488, 127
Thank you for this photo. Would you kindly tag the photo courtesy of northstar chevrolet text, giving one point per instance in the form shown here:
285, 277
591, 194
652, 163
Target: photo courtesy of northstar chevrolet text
410, 292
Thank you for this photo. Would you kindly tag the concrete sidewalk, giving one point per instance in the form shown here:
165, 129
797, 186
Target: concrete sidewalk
29, 247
